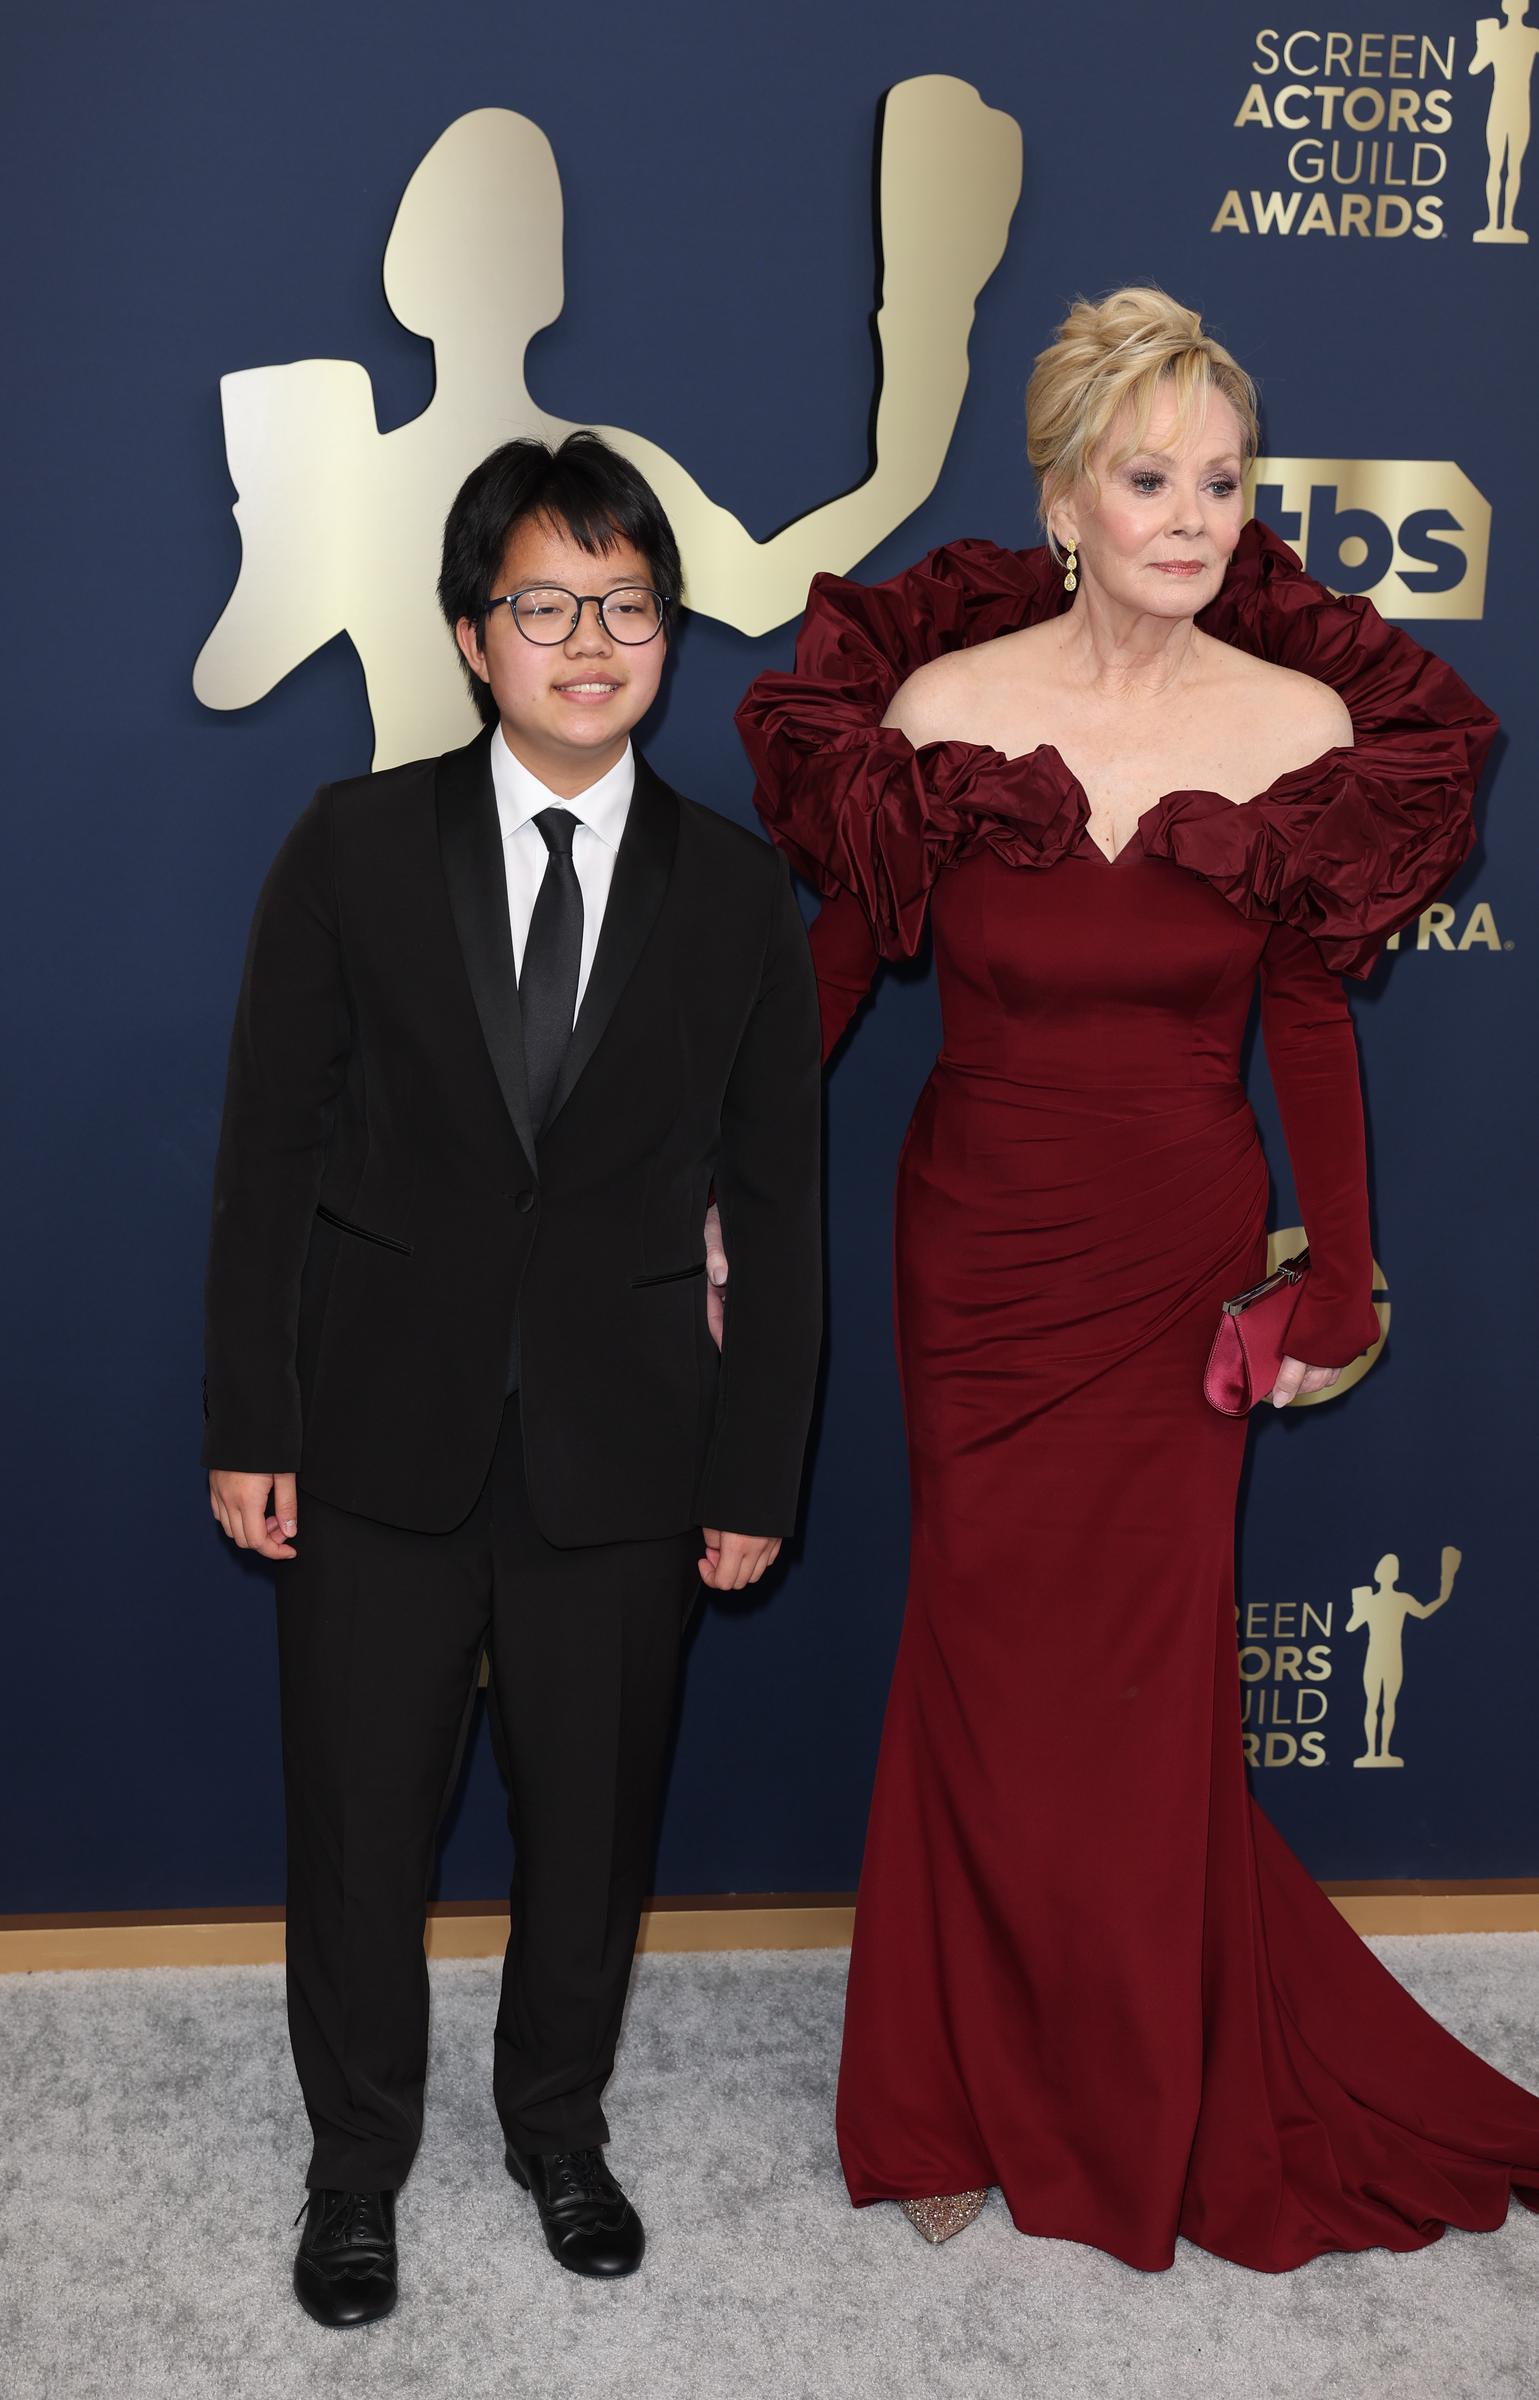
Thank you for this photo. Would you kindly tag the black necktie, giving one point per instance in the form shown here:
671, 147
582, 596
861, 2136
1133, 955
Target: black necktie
547, 988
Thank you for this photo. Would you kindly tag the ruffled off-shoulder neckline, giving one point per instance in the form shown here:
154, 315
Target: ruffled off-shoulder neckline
1346, 847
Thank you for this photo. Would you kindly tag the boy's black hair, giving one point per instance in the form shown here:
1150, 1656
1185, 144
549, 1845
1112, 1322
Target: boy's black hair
597, 496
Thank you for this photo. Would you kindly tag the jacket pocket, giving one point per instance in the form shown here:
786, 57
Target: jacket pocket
675, 1275
365, 1233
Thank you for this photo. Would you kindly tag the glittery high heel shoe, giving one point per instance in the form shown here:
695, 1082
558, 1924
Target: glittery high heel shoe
949, 2213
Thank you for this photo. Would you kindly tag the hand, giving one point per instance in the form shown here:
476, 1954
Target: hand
715, 1275
239, 1503
1293, 1378
734, 1560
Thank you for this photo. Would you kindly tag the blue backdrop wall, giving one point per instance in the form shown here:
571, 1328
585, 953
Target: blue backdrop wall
192, 190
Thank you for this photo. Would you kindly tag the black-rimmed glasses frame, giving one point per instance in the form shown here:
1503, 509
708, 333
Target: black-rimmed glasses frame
579, 601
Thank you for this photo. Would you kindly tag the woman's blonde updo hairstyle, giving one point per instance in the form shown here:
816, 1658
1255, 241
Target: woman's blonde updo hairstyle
1110, 354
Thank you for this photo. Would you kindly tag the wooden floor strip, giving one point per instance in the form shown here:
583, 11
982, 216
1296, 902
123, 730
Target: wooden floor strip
735, 1921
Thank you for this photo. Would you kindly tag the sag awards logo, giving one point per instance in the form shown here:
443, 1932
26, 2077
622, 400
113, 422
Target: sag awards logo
341, 524
1286, 1665
1355, 129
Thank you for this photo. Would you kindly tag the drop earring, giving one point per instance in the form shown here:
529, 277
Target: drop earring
1071, 569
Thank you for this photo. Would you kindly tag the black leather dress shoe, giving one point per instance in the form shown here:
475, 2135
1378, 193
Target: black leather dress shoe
589, 2224
344, 2272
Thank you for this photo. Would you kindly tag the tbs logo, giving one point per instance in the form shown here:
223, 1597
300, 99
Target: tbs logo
1411, 533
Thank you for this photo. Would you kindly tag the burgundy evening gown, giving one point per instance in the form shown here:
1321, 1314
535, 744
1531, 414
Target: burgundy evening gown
1086, 1969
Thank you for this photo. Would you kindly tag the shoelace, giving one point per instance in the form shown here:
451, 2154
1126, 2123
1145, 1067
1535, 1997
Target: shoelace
347, 2222
578, 2175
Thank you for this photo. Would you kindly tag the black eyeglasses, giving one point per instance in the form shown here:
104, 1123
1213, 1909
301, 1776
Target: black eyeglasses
546, 614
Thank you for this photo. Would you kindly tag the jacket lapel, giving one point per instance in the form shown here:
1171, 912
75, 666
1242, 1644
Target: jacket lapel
642, 868
470, 845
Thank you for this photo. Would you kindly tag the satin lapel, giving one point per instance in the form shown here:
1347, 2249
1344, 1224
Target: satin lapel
642, 868
470, 845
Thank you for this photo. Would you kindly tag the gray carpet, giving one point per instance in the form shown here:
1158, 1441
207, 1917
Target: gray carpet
155, 2145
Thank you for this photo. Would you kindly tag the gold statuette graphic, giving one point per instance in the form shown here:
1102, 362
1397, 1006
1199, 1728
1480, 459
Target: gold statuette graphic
341, 524
1505, 48
1383, 1608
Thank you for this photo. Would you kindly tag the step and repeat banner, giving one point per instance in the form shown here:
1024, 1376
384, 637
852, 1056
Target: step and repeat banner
280, 281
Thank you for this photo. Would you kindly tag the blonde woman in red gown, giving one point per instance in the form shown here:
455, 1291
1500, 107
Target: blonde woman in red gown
1127, 777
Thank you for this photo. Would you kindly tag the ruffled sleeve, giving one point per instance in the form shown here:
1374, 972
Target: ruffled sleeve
1353, 846
854, 805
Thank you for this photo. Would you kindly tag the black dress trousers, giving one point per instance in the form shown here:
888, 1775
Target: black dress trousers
381, 1633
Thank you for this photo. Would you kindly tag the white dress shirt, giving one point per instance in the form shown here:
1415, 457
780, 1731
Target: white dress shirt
600, 811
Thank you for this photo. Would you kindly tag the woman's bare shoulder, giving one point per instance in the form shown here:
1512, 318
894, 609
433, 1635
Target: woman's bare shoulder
942, 693
1295, 712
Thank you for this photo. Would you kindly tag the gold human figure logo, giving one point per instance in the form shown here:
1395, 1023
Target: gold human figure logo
1505, 47
341, 524
1383, 1608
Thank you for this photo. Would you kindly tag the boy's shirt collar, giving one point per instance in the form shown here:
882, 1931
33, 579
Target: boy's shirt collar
603, 807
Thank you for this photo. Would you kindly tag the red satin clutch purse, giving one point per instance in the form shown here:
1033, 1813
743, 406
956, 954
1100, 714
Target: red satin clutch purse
1252, 1340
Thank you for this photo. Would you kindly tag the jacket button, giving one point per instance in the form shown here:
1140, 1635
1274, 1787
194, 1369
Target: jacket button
523, 1202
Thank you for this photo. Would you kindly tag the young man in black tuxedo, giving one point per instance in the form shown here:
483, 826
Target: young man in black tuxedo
508, 1017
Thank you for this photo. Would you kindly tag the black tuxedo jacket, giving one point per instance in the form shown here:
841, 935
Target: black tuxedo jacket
382, 1216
